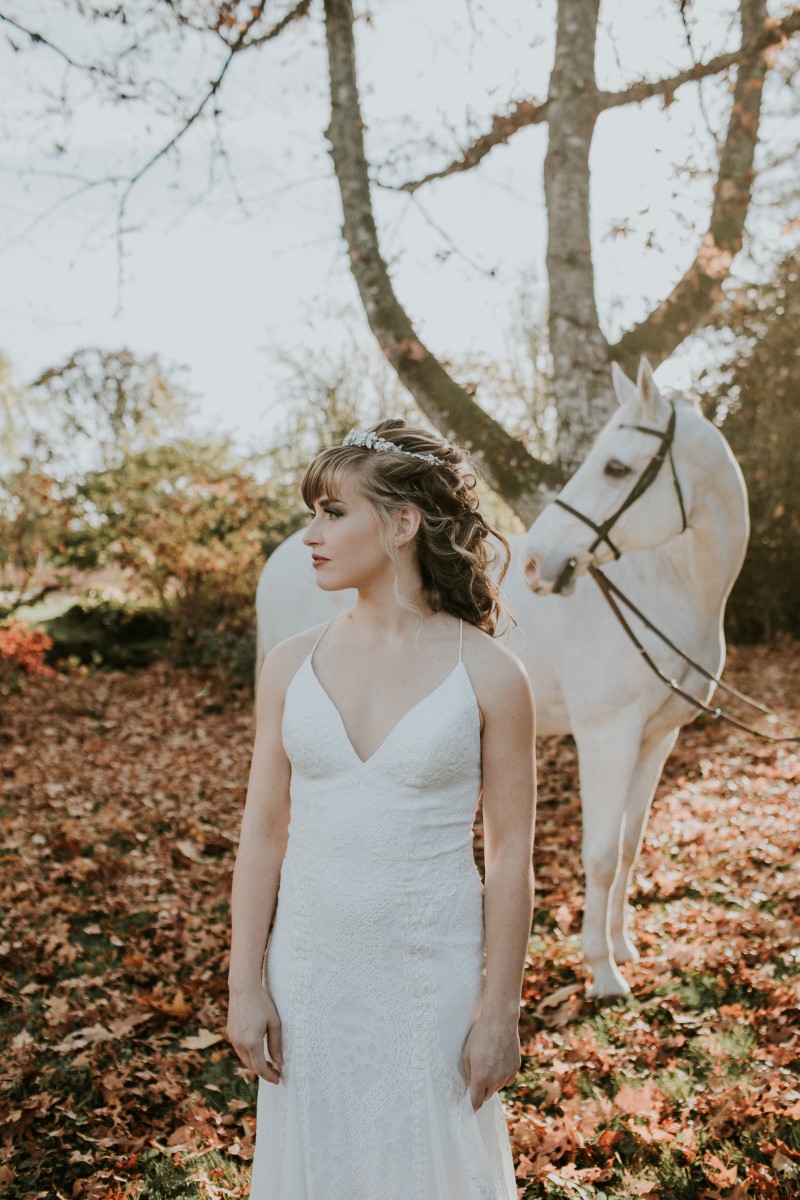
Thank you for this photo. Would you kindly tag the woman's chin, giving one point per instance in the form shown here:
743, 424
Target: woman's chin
330, 585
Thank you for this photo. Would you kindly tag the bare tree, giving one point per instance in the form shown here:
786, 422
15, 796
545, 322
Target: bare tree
581, 354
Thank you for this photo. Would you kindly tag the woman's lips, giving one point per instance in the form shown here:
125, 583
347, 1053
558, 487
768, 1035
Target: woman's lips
317, 561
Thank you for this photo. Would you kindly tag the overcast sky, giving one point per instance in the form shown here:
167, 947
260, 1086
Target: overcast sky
226, 262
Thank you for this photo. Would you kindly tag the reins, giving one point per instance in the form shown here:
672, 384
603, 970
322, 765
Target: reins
607, 588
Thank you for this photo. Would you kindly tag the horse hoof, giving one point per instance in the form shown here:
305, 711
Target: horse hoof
610, 1001
608, 983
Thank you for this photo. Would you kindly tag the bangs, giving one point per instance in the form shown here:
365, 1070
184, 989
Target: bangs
325, 475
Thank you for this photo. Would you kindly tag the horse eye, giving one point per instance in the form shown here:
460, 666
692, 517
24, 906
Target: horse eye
616, 469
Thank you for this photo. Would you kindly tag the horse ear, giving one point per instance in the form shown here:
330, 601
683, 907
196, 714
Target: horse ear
624, 390
648, 390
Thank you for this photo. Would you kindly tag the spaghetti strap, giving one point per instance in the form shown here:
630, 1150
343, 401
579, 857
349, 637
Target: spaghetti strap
460, 637
323, 631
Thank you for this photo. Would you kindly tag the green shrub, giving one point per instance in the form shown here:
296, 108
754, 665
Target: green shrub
109, 634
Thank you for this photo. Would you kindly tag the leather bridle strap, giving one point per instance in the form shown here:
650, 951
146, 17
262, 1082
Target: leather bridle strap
610, 591
642, 484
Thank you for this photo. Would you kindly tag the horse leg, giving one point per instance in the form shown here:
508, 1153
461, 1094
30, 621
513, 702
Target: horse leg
642, 788
607, 757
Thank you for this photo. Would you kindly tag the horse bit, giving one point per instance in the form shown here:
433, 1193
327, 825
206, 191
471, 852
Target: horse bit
607, 587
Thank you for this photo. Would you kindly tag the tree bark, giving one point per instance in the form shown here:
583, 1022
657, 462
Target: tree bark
524, 482
581, 382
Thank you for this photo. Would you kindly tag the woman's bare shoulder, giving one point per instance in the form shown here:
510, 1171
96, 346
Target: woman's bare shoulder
497, 674
285, 657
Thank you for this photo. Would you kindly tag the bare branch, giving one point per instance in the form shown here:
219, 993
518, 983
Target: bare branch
40, 40
213, 88
489, 272
523, 481
534, 112
523, 113
687, 33
239, 43
701, 286
299, 10
85, 185
770, 33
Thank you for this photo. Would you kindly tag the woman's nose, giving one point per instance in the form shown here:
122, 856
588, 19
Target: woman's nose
311, 537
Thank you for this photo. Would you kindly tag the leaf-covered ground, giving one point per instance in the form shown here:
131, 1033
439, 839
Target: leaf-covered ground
121, 797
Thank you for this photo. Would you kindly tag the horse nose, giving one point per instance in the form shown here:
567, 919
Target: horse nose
533, 576
530, 570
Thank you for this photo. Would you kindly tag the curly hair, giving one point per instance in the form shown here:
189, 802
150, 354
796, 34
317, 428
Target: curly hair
454, 557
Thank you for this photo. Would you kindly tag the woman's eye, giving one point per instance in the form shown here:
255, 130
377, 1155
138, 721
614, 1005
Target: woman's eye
334, 512
616, 469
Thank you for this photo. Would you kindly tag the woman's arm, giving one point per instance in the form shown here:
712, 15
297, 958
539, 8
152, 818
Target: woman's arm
508, 756
256, 876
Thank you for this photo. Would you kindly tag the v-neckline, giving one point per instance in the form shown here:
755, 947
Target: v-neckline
364, 762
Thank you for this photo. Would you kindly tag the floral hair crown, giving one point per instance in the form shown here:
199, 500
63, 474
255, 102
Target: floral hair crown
372, 441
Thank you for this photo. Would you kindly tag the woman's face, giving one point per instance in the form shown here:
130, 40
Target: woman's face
344, 540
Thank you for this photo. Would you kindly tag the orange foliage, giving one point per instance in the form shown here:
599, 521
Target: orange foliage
24, 649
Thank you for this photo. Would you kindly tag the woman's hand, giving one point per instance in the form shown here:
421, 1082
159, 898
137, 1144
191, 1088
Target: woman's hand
251, 1014
491, 1057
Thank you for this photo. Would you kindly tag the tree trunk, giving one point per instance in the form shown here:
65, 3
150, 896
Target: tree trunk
524, 482
581, 383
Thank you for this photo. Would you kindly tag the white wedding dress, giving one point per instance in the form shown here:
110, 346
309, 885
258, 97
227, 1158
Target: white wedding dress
376, 962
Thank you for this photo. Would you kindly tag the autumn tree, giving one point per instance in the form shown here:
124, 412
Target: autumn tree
753, 391
86, 413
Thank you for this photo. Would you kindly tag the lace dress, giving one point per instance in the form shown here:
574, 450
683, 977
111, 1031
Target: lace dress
376, 962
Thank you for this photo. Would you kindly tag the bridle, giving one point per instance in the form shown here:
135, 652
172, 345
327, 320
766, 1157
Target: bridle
647, 477
613, 594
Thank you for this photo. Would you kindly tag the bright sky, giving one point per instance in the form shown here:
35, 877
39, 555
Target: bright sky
221, 281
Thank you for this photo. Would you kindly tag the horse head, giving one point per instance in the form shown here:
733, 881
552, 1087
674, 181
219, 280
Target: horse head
628, 494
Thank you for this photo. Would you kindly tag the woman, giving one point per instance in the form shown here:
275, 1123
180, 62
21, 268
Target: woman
387, 1017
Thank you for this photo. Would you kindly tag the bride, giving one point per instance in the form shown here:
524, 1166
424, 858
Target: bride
374, 980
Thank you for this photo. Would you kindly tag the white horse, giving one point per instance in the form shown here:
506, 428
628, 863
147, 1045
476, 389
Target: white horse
681, 534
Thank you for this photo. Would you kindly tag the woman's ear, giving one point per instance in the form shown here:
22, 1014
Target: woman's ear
406, 523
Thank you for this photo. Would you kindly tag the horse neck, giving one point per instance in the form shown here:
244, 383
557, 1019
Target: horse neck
706, 558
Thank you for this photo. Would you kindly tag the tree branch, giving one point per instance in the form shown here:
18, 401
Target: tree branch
294, 14
701, 286
523, 113
770, 33
39, 39
535, 112
238, 44
524, 482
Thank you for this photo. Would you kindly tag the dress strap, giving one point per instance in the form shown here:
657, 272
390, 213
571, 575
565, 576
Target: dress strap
323, 631
460, 637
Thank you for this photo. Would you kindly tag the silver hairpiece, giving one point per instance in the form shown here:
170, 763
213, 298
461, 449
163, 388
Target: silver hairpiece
363, 437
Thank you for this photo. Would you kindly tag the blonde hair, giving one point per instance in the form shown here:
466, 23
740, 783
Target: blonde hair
453, 554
